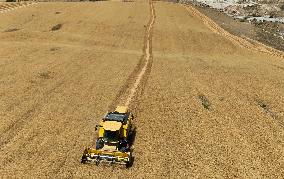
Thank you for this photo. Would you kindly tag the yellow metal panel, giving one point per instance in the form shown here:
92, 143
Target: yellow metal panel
125, 126
121, 109
124, 130
112, 125
101, 152
101, 132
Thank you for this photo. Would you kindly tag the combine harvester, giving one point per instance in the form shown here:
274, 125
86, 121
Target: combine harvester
114, 142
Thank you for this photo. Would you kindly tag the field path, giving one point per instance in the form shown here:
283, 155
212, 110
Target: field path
147, 56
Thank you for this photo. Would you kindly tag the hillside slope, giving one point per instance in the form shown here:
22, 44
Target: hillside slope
207, 107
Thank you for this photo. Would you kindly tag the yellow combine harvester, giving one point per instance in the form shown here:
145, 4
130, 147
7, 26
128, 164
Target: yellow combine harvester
114, 141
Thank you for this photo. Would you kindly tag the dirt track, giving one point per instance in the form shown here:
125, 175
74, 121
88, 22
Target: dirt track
208, 108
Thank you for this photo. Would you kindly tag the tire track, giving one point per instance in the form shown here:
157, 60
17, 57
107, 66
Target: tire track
243, 42
138, 78
147, 54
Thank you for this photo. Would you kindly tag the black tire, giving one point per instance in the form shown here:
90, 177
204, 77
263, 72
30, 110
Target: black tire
130, 162
97, 162
83, 161
99, 144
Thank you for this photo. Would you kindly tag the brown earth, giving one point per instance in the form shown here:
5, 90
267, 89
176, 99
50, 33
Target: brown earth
265, 32
207, 107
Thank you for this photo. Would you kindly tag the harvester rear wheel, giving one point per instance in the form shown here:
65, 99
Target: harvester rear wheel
130, 162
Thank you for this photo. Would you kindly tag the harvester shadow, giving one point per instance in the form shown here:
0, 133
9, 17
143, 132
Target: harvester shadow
131, 140
132, 136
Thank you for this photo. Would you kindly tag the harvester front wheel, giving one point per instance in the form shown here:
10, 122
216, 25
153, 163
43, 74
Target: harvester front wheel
97, 162
83, 161
130, 162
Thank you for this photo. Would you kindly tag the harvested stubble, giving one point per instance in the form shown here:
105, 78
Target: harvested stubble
46, 123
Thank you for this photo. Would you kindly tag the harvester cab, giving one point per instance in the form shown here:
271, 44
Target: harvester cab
113, 143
